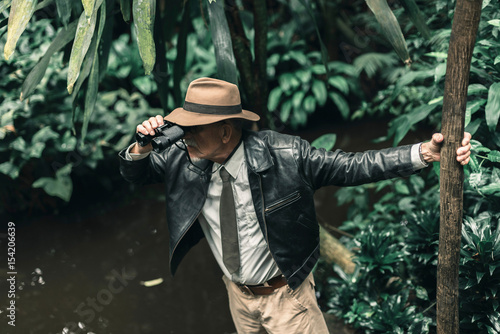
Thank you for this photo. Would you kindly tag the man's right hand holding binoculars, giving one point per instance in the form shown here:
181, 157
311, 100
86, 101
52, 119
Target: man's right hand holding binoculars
147, 128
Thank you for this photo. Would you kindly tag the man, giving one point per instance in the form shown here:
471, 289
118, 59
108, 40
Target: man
251, 195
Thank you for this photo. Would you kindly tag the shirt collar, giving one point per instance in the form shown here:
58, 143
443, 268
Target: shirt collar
234, 163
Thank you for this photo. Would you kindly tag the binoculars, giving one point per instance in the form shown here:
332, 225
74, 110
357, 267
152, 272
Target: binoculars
165, 136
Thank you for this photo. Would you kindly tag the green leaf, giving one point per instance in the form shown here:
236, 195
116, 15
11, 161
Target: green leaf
9, 169
494, 156
490, 189
326, 141
61, 186
19, 144
417, 17
145, 84
221, 38
479, 276
35, 150
286, 109
64, 10
88, 7
340, 83
475, 89
288, 82
309, 104
402, 188
390, 27
492, 108
4, 5
36, 75
341, 104
319, 91
421, 293
495, 22
19, 16
44, 134
90, 97
304, 76
81, 44
125, 6
144, 18
439, 55
274, 98
297, 99
403, 124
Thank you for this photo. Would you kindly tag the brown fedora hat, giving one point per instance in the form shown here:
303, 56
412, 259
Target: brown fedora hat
208, 101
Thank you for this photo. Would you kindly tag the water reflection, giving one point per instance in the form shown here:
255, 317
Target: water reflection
108, 273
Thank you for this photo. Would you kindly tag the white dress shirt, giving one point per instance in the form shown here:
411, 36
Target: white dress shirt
257, 264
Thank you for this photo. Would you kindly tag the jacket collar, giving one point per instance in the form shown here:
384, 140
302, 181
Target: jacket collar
257, 153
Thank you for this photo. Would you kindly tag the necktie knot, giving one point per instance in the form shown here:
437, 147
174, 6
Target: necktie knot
224, 174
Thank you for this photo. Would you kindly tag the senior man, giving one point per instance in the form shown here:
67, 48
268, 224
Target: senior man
251, 195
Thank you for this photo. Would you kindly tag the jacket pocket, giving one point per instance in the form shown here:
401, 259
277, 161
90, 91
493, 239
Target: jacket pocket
285, 201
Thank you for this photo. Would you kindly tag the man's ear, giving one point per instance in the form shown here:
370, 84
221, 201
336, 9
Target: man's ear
226, 132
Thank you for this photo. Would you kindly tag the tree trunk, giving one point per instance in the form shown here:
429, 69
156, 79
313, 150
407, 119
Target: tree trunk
463, 37
333, 251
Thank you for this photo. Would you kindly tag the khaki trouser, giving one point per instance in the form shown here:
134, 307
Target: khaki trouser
285, 311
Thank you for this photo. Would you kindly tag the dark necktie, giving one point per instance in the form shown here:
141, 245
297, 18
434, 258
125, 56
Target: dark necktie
228, 228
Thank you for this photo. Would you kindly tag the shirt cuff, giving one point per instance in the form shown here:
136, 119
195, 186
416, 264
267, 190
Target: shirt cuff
134, 156
416, 159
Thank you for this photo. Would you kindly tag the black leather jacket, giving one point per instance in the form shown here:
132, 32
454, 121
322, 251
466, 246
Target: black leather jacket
284, 172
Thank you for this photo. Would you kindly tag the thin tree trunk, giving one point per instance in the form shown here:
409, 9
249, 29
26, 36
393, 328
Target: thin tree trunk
463, 37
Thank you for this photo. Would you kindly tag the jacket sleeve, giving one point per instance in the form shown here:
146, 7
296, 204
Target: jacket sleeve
150, 169
321, 167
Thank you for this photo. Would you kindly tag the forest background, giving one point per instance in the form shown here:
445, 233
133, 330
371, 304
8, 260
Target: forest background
81, 76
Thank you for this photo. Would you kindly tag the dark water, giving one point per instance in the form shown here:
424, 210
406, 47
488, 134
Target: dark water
85, 272
87, 277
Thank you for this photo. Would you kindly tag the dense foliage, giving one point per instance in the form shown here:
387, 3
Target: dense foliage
397, 237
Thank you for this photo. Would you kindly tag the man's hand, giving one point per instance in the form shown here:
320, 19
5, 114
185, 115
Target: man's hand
431, 151
147, 128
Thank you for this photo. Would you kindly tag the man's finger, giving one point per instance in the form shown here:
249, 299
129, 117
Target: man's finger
159, 119
437, 138
142, 129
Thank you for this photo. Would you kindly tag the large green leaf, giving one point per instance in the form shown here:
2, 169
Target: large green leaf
81, 44
93, 82
144, 12
36, 74
19, 16
493, 106
390, 27
221, 38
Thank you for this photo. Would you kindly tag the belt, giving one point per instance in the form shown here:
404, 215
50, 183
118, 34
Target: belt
264, 289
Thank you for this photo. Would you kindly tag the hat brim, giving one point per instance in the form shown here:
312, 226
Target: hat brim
182, 117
